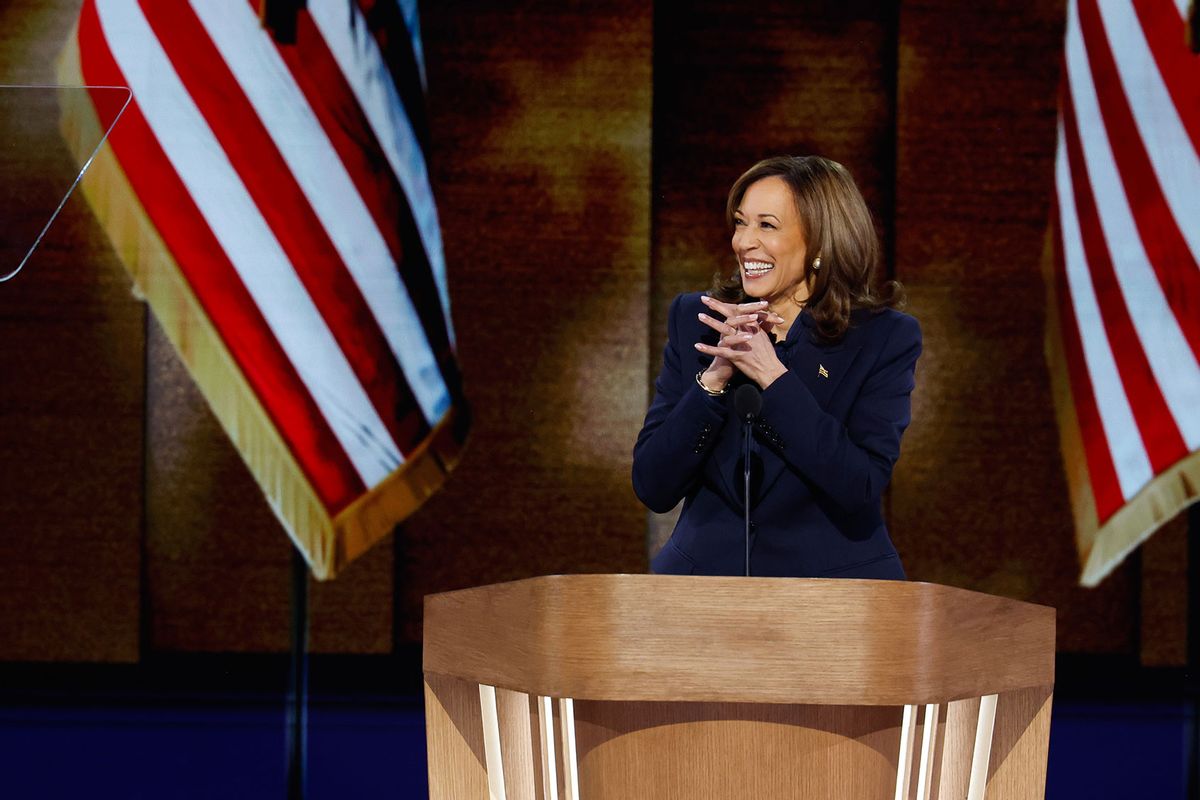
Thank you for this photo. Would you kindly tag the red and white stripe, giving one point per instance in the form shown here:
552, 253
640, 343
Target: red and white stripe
1128, 190
327, 186
357, 53
288, 238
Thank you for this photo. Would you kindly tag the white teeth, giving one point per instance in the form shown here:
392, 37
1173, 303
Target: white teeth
757, 267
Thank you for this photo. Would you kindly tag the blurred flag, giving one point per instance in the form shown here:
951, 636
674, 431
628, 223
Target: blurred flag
272, 202
1123, 336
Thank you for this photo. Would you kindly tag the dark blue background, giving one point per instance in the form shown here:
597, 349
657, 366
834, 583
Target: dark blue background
212, 727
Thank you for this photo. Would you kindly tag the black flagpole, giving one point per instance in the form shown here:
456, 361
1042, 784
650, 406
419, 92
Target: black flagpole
1192, 673
297, 705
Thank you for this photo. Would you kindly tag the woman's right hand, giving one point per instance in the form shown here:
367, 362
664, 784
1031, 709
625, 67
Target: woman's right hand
741, 322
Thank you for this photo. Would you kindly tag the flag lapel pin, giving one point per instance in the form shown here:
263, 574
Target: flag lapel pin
824, 373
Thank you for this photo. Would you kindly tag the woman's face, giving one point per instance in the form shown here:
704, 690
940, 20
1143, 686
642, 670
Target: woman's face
769, 242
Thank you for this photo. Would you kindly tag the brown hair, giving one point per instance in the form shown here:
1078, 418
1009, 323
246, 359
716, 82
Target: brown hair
837, 227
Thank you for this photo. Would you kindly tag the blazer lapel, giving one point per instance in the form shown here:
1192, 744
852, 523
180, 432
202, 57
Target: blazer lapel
821, 369
726, 457
727, 451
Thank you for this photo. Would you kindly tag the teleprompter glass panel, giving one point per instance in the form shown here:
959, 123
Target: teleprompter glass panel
37, 169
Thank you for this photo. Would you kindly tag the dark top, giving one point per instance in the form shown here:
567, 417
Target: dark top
824, 445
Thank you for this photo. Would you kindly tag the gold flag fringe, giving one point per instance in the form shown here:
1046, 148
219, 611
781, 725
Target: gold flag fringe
1103, 547
1157, 503
328, 544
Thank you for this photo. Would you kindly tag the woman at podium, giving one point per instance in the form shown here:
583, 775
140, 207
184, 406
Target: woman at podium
802, 319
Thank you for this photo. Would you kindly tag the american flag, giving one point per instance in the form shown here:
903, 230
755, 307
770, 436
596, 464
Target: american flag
271, 200
1123, 338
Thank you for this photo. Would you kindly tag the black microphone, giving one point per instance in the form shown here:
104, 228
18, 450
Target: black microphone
747, 402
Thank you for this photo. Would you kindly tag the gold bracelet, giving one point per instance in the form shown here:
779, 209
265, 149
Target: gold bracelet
711, 393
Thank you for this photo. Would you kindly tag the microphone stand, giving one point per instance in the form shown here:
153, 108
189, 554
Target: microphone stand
746, 488
747, 402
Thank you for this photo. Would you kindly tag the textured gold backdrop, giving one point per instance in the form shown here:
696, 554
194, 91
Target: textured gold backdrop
580, 157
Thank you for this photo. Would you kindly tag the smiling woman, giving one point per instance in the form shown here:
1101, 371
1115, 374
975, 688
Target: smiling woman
835, 389
812, 200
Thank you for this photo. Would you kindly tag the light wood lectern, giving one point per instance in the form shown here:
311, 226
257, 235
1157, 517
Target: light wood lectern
662, 687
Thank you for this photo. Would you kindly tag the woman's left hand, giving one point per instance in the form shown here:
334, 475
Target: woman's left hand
755, 357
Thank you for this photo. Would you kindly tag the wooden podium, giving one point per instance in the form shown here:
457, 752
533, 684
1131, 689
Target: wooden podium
584, 687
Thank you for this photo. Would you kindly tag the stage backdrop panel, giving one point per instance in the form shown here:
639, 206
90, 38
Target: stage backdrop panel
218, 563
71, 403
979, 498
540, 122
732, 88
565, 239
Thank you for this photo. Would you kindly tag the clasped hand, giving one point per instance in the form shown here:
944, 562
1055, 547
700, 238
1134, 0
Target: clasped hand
745, 343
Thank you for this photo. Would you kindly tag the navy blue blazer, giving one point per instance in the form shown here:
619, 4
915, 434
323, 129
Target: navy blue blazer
824, 445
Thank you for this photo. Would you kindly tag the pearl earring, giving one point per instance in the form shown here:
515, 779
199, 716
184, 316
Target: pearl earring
817, 262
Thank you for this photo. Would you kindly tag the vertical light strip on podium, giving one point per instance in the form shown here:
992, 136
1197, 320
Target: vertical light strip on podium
566, 708
491, 742
492, 750
929, 739
983, 747
908, 732
546, 735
